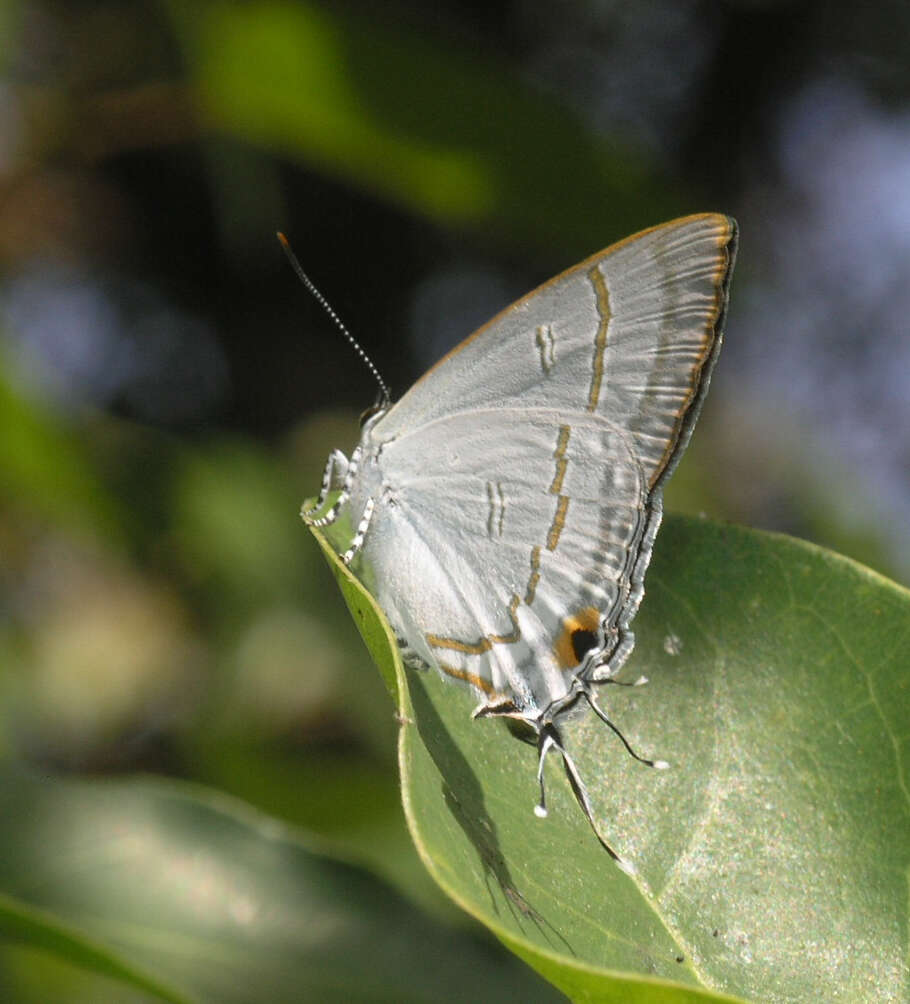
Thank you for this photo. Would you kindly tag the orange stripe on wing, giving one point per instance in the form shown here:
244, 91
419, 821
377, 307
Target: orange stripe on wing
476, 681
559, 521
485, 643
600, 341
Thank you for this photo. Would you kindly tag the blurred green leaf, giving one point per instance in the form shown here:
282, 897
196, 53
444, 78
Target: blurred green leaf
45, 469
445, 134
342, 795
24, 925
231, 507
771, 857
147, 877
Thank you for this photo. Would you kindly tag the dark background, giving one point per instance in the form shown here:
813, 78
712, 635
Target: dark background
168, 391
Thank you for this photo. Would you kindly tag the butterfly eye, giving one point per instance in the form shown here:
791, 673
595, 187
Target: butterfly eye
369, 413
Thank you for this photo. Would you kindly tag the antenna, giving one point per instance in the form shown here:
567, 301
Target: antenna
324, 303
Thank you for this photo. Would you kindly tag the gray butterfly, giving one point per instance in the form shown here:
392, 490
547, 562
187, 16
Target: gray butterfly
506, 507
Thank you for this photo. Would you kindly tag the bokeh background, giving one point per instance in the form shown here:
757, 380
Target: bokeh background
169, 392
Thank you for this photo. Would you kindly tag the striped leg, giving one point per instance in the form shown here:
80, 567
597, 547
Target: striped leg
329, 481
336, 460
361, 533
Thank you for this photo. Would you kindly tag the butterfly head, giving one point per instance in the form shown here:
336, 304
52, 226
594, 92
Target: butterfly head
375, 411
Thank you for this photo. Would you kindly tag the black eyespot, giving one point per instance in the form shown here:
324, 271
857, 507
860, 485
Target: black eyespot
582, 642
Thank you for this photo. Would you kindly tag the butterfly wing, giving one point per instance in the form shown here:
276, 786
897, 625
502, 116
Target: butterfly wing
518, 482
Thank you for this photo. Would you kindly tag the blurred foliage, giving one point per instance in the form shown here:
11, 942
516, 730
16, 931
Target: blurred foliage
168, 397
461, 147
219, 903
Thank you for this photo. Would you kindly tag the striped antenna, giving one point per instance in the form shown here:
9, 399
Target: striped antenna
324, 303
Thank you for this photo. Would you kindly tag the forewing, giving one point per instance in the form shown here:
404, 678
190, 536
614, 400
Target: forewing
525, 469
631, 334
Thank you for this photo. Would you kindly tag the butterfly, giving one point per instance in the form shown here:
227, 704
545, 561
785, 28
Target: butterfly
506, 506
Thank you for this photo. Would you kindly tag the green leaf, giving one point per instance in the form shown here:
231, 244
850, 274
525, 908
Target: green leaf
462, 147
46, 469
229, 504
771, 857
373, 627
193, 896
24, 925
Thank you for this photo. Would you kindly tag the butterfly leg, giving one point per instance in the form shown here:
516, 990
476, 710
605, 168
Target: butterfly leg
547, 742
361, 533
602, 715
330, 479
336, 469
640, 682
550, 739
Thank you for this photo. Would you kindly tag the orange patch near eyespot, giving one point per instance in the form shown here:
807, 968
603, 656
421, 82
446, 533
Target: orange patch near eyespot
579, 633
